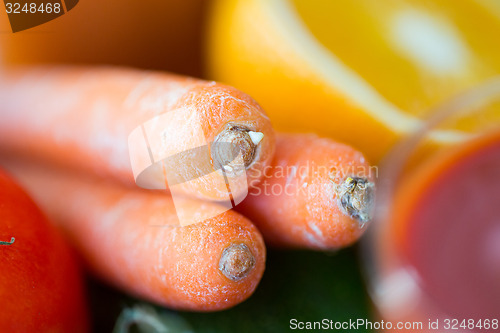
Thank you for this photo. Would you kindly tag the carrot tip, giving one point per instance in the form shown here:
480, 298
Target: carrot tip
238, 139
355, 198
236, 262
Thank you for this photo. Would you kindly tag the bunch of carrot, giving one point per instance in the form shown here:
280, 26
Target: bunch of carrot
65, 132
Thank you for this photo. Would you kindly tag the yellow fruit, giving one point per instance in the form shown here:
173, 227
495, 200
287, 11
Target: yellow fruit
365, 72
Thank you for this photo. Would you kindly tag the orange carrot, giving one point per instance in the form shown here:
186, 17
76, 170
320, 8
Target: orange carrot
130, 239
83, 118
316, 195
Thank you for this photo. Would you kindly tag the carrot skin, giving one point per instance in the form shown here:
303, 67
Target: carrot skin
130, 238
82, 118
296, 205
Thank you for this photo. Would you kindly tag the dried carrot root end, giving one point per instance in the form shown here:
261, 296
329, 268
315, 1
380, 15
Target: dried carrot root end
231, 141
236, 261
355, 198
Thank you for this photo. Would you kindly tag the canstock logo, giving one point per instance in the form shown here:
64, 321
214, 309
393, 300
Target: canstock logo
161, 158
28, 14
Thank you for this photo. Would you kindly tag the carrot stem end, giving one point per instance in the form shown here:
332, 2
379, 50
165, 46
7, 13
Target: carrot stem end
355, 198
236, 262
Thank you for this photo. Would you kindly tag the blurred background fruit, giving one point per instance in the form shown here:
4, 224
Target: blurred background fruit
153, 34
362, 71
41, 283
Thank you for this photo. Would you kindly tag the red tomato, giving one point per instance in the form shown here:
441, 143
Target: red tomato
41, 288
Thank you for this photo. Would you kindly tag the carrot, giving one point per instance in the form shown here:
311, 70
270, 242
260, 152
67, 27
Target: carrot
120, 123
130, 238
316, 195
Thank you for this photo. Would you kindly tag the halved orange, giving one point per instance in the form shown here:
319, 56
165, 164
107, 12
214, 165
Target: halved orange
365, 72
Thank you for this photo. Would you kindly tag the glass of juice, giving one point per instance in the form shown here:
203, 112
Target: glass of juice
432, 255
